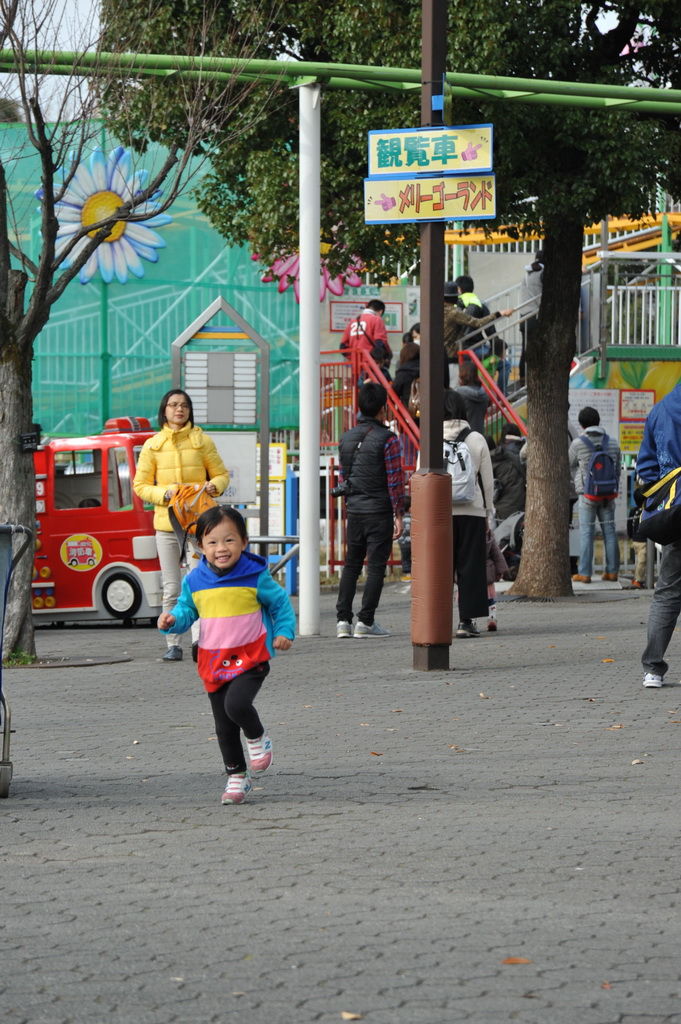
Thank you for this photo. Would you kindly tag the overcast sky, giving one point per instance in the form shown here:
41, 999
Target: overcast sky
76, 19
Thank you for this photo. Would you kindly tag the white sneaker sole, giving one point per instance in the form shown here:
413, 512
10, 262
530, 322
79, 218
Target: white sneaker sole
652, 684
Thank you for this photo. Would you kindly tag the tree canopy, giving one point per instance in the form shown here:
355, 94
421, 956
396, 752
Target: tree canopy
550, 161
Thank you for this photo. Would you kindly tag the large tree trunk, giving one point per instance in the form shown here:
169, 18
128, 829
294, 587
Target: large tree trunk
17, 488
545, 565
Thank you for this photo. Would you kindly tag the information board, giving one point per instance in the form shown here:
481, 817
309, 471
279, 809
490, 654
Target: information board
238, 451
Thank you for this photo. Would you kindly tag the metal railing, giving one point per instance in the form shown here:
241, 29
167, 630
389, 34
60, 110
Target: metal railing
339, 377
499, 408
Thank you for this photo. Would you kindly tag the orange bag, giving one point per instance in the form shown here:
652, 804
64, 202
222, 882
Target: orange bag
185, 507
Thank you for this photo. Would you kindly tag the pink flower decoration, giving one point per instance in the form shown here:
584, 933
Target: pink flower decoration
286, 271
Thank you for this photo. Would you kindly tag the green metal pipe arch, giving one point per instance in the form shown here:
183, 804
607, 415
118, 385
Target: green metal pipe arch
642, 99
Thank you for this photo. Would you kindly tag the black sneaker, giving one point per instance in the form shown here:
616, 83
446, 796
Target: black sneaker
173, 654
467, 628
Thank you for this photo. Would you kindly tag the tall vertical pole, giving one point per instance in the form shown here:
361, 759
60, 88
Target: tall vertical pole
664, 288
603, 306
310, 419
104, 354
431, 486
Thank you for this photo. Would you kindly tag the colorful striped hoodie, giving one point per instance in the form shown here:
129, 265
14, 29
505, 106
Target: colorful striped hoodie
240, 612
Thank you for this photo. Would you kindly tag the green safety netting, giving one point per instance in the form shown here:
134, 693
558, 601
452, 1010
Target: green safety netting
122, 333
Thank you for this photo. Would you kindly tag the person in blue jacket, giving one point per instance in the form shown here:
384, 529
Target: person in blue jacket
660, 452
244, 617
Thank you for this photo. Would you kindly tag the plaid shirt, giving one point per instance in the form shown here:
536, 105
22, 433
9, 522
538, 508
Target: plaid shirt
393, 470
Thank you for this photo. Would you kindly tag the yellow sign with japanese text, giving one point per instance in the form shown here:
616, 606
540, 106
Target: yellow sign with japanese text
631, 436
405, 152
401, 200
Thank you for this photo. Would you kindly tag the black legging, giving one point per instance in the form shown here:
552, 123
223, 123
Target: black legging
470, 565
233, 711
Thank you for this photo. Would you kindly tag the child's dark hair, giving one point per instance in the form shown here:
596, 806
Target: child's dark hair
207, 521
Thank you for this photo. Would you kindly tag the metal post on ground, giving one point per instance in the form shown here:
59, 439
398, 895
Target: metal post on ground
431, 494
603, 305
664, 290
310, 418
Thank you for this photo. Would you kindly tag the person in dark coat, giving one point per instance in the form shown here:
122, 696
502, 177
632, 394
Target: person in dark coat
413, 334
473, 394
371, 467
408, 369
509, 474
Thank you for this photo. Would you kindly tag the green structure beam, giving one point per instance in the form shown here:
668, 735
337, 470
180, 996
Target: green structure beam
641, 99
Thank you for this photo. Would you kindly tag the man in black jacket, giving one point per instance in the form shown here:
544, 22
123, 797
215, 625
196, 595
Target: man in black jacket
371, 466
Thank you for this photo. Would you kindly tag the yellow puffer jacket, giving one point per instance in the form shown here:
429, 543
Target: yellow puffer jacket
184, 456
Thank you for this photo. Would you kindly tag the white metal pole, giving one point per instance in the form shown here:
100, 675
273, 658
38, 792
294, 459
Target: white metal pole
309, 188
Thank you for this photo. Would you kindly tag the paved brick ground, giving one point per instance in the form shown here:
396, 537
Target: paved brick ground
418, 830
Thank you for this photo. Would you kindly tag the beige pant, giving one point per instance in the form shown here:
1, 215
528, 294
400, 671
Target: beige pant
640, 559
171, 577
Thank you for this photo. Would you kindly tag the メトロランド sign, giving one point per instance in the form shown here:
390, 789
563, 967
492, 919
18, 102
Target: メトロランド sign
402, 200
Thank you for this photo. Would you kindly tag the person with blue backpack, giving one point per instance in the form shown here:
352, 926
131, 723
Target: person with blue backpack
595, 463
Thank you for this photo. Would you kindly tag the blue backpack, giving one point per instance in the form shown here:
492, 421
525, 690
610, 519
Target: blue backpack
601, 482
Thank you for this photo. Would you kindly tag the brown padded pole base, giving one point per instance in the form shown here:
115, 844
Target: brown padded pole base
431, 557
432, 658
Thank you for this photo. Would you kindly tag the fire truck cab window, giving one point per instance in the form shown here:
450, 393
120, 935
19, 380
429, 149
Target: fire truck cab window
120, 480
78, 479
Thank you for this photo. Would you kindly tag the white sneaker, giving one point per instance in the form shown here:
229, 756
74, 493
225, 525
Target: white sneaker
361, 629
343, 629
260, 753
652, 680
237, 789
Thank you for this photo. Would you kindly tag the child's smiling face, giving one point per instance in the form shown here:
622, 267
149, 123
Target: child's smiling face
223, 545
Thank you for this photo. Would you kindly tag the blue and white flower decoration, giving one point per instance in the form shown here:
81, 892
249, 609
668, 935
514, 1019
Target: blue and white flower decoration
95, 191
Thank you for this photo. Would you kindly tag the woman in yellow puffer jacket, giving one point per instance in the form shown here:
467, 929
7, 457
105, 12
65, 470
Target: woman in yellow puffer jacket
179, 454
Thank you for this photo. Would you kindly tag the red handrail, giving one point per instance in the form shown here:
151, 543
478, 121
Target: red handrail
339, 389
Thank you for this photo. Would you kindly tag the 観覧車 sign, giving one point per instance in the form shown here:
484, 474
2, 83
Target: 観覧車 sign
404, 152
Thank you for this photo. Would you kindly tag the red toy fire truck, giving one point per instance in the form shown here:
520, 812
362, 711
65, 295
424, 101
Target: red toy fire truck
95, 550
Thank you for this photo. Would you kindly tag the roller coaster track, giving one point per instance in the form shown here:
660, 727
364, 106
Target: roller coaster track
625, 235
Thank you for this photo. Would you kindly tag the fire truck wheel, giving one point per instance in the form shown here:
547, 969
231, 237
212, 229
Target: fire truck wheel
121, 595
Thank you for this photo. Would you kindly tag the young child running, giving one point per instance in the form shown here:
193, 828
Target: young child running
244, 618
